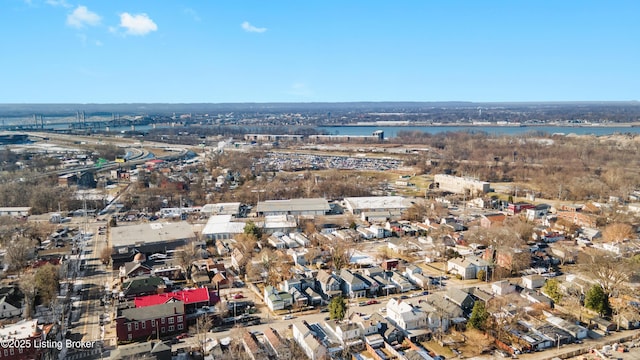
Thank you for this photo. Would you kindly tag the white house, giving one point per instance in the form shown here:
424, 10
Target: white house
414, 274
532, 282
8, 310
405, 315
300, 238
349, 334
467, 267
402, 284
503, 287
308, 341
277, 300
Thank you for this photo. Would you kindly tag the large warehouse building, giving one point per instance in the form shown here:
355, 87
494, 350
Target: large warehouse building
296, 207
460, 185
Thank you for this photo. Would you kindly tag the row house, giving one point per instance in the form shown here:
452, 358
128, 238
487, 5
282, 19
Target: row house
445, 313
353, 285
141, 286
329, 284
308, 341
278, 345
405, 315
252, 346
300, 238
348, 333
414, 274
462, 298
277, 300
402, 284
150, 321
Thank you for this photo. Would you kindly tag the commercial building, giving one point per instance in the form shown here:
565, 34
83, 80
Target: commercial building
220, 227
393, 205
147, 238
296, 207
461, 185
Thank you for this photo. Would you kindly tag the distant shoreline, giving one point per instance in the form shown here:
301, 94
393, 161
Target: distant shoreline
384, 124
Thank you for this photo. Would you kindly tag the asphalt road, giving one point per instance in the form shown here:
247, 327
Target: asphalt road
93, 276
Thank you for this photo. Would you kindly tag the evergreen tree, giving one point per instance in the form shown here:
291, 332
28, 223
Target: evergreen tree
252, 229
479, 316
551, 289
337, 308
597, 300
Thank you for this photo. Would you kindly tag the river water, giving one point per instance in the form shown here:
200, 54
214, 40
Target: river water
392, 131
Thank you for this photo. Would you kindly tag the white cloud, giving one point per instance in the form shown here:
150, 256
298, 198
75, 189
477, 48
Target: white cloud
192, 13
98, 43
250, 28
139, 24
81, 17
62, 3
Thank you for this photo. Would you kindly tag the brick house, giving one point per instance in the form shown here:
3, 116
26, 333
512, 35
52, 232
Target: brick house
150, 321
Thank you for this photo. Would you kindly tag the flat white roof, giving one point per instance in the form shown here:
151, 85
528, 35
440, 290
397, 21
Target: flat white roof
20, 330
127, 235
315, 204
222, 224
14, 209
279, 221
377, 202
221, 208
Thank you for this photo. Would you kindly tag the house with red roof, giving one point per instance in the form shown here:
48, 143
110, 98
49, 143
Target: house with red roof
192, 298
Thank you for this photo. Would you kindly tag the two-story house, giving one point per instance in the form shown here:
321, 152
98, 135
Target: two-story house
328, 284
150, 321
278, 346
308, 341
405, 315
353, 285
467, 267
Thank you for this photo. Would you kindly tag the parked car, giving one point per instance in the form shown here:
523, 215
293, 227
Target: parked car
371, 302
287, 317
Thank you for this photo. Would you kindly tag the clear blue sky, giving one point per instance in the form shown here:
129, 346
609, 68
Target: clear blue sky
113, 51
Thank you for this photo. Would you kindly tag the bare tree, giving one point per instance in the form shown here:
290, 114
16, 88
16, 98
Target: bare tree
617, 232
341, 253
185, 256
18, 253
608, 272
29, 289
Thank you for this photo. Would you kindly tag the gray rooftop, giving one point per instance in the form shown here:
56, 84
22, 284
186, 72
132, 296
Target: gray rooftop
154, 232
315, 204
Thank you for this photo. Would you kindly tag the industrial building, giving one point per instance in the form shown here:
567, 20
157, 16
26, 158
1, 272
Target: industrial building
461, 185
296, 207
375, 206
